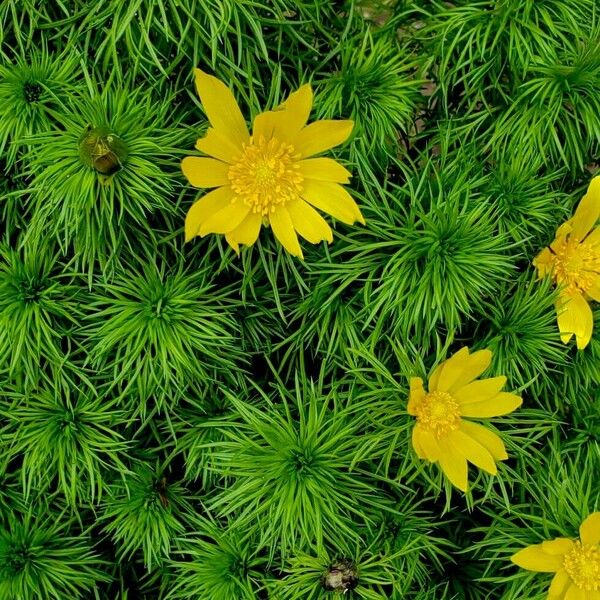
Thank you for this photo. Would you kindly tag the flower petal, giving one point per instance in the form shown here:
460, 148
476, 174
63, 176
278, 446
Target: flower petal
205, 208
557, 546
324, 169
575, 318
308, 222
415, 395
588, 211
246, 232
283, 229
480, 390
462, 370
430, 446
221, 108
575, 593
533, 558
559, 585
473, 451
544, 262
488, 439
297, 107
226, 220
454, 466
589, 531
434, 377
593, 291
204, 172
320, 136
416, 442
218, 146
501, 404
333, 199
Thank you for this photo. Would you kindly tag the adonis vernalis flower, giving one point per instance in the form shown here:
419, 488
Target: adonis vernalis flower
442, 432
266, 178
573, 262
575, 562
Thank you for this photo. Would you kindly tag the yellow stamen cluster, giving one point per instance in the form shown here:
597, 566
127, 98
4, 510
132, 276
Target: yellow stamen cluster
575, 264
267, 175
439, 413
582, 563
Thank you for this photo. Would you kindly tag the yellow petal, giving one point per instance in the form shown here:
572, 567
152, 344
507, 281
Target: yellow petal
297, 108
533, 558
205, 172
430, 446
488, 439
416, 442
480, 390
559, 585
460, 370
267, 124
473, 451
544, 262
283, 229
593, 290
218, 146
434, 377
588, 211
589, 531
246, 232
501, 404
575, 318
454, 466
324, 169
308, 222
320, 136
332, 199
575, 593
205, 208
557, 546
221, 108
415, 395
225, 220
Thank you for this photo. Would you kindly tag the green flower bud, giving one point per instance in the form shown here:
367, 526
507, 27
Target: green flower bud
102, 150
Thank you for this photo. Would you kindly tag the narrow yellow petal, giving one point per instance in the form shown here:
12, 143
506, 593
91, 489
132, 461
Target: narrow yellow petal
463, 369
324, 169
218, 146
488, 439
308, 222
454, 466
533, 558
557, 546
588, 211
221, 108
416, 442
589, 531
226, 220
430, 446
593, 291
415, 395
246, 232
473, 451
204, 172
559, 585
501, 404
297, 107
320, 136
266, 125
283, 229
480, 390
575, 318
575, 593
205, 208
332, 199
544, 262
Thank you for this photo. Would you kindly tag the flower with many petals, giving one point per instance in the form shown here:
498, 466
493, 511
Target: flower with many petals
266, 178
573, 261
576, 563
442, 432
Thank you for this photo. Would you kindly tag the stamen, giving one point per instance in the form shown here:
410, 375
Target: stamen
439, 413
582, 564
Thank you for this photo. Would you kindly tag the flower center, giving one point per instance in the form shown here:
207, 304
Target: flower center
582, 563
439, 413
576, 264
267, 175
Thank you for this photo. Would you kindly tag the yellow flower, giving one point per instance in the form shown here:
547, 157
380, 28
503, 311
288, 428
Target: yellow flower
266, 178
573, 262
575, 562
441, 433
